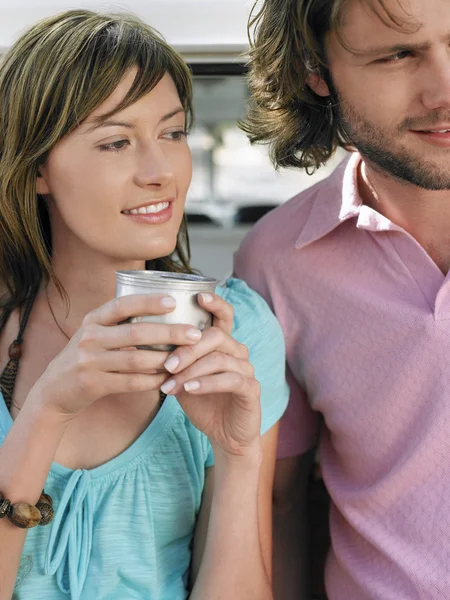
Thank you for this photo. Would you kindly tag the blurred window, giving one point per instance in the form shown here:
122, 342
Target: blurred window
232, 180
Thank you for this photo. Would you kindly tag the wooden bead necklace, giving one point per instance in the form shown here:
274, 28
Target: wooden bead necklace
21, 514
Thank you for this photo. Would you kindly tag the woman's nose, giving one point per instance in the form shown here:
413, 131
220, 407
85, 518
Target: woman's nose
154, 168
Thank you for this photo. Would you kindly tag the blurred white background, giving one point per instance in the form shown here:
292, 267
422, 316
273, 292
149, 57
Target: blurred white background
197, 24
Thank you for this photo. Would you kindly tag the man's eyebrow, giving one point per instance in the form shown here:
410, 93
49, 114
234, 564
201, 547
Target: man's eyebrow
387, 50
99, 122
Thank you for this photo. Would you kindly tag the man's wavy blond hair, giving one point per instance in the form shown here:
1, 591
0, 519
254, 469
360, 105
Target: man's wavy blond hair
288, 46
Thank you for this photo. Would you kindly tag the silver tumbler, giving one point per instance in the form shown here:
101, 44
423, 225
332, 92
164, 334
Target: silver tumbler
183, 287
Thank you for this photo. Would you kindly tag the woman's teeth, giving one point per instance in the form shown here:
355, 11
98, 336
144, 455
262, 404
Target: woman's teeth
147, 210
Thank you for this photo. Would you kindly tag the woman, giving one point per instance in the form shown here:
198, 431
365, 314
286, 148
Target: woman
152, 500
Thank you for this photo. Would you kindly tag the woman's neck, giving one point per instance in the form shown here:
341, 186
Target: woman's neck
89, 281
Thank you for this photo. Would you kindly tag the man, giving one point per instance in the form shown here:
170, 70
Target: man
357, 271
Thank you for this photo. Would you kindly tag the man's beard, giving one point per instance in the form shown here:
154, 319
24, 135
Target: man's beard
382, 149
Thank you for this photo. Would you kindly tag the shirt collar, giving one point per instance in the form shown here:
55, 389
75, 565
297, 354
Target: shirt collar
337, 200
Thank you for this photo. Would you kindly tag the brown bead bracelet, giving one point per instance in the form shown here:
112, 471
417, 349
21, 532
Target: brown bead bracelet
25, 515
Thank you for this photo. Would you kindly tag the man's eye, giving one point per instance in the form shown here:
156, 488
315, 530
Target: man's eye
115, 146
395, 57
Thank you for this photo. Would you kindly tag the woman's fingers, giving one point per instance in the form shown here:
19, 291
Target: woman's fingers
212, 339
132, 361
123, 308
140, 334
223, 383
212, 363
120, 383
222, 311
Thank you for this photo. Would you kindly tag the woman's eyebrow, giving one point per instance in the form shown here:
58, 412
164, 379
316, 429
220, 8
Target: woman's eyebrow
171, 114
99, 122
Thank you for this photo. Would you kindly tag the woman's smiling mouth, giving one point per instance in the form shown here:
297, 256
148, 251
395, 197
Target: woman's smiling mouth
160, 212
149, 209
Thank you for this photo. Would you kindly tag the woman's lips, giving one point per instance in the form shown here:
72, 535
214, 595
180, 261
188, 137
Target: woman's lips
152, 218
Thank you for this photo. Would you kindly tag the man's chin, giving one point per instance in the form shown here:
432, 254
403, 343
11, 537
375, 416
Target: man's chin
410, 168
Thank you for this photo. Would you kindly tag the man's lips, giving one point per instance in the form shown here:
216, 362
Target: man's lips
443, 129
437, 136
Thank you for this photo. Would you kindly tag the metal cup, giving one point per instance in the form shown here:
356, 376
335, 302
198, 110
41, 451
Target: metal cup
183, 287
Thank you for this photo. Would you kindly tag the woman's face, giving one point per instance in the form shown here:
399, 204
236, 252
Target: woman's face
117, 188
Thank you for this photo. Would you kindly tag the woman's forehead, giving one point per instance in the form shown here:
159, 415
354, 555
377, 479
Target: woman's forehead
153, 101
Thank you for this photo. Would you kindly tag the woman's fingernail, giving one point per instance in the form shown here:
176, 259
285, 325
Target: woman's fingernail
194, 334
168, 386
168, 302
190, 386
172, 363
206, 297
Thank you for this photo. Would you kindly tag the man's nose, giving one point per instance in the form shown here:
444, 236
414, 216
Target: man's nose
435, 83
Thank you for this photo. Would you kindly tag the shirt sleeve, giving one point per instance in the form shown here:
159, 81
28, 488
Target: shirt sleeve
256, 327
300, 423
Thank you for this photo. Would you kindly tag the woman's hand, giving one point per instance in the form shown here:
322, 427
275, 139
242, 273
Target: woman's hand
214, 383
102, 359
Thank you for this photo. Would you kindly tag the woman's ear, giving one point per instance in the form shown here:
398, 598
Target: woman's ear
317, 83
41, 183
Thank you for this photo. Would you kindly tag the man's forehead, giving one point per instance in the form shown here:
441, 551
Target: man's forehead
370, 24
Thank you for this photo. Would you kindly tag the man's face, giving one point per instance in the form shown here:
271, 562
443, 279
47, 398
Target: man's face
394, 89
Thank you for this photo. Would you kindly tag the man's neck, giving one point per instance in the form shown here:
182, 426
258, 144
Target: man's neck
424, 214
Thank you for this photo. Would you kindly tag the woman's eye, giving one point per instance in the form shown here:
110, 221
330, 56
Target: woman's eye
176, 136
395, 57
115, 146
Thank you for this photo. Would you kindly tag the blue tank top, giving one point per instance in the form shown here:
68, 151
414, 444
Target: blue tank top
124, 530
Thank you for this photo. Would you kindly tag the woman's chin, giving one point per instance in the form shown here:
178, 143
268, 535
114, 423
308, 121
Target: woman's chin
153, 254
141, 253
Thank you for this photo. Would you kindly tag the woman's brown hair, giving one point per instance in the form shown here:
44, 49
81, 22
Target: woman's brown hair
51, 79
287, 47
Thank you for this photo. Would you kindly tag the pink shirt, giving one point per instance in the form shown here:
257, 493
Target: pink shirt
366, 317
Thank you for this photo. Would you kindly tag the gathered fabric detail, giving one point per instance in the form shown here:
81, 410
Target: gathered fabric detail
70, 544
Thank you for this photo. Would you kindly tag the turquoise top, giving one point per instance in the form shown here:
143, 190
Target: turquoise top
123, 530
